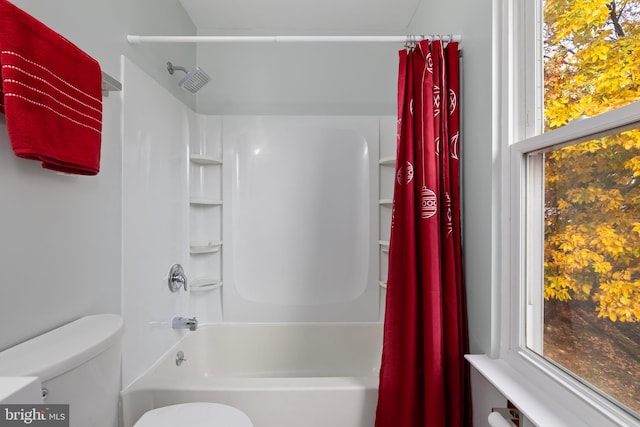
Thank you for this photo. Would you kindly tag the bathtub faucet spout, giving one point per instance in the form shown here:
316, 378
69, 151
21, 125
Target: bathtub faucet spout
190, 323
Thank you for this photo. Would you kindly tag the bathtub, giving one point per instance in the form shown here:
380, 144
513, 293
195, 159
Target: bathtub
280, 375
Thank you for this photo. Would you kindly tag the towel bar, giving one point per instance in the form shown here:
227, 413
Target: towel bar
109, 84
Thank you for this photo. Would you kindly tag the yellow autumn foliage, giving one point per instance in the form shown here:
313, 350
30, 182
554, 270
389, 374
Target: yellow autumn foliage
592, 189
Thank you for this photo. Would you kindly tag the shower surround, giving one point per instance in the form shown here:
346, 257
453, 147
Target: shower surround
281, 225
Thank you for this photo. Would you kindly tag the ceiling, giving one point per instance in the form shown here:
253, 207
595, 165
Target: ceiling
301, 17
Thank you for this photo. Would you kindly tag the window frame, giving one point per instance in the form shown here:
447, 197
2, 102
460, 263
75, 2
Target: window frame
519, 90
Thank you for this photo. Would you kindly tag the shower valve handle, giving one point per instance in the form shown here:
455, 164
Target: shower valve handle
177, 278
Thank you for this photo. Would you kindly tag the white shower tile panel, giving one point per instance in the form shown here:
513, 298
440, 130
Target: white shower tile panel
300, 218
155, 218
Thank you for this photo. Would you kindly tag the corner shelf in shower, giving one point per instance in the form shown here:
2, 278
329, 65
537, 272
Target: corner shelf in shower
384, 245
387, 161
386, 202
382, 284
205, 284
203, 159
206, 247
204, 201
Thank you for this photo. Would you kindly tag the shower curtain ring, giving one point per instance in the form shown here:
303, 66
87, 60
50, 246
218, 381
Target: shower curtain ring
408, 42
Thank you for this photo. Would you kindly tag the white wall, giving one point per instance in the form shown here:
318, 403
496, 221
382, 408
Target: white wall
60, 246
299, 79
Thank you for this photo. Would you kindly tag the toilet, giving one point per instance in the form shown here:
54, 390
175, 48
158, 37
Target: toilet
79, 364
198, 414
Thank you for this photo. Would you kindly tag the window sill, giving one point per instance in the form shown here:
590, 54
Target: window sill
543, 400
536, 405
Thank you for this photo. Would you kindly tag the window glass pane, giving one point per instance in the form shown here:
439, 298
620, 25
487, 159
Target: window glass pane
591, 51
588, 198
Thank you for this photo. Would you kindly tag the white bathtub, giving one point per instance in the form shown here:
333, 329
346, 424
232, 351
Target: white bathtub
280, 375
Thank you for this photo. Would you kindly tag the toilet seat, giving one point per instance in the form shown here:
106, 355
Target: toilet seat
199, 414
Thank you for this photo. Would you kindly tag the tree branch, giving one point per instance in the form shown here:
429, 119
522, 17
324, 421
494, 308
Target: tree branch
615, 19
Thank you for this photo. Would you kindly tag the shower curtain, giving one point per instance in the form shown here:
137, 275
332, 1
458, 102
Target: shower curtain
424, 380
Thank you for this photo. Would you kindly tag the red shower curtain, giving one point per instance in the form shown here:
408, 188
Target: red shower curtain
424, 379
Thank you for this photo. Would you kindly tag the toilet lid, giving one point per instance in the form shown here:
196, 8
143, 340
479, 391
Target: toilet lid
198, 414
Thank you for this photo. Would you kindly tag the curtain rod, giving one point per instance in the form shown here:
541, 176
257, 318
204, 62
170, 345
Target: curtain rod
135, 39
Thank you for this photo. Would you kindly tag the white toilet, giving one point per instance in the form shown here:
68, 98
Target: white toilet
79, 364
195, 415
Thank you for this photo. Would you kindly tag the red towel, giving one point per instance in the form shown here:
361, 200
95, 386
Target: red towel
51, 95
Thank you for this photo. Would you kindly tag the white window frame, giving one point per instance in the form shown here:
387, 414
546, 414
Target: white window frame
560, 399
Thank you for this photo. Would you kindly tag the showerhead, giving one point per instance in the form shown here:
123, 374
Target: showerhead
193, 81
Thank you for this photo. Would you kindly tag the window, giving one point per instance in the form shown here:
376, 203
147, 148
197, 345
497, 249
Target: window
584, 300
590, 58
577, 211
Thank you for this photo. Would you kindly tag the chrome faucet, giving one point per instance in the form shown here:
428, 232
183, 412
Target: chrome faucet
190, 323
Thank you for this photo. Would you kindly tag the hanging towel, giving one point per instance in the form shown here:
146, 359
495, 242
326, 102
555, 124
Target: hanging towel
51, 95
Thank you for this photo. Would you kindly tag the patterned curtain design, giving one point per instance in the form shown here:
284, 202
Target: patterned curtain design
424, 380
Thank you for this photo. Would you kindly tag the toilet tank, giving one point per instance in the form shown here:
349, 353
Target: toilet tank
78, 364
